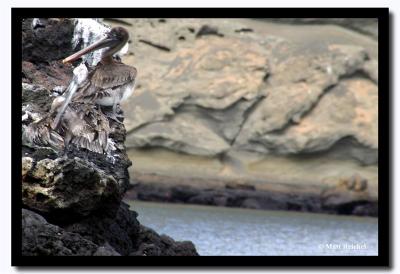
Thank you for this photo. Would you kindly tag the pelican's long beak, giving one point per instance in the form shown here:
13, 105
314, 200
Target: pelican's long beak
105, 42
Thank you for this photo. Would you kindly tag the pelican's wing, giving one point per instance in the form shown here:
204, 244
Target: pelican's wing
89, 128
103, 80
41, 134
113, 76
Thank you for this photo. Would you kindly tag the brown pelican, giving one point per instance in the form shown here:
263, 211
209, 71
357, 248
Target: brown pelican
82, 125
109, 82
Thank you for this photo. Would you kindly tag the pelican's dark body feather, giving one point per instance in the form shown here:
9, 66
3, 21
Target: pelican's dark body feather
81, 125
110, 81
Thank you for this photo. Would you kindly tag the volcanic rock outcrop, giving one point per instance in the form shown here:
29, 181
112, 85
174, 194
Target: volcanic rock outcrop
72, 197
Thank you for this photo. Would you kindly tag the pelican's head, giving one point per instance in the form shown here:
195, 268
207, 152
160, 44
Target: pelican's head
114, 41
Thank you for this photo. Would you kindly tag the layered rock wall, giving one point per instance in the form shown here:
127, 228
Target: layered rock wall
289, 103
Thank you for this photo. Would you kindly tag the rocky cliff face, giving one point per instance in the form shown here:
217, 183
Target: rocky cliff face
235, 89
255, 100
72, 196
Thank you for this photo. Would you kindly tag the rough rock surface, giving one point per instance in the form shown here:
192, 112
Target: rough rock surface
151, 244
72, 197
46, 39
39, 238
203, 100
303, 108
67, 188
242, 90
349, 111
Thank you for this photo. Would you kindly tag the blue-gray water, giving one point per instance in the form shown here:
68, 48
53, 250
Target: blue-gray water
231, 231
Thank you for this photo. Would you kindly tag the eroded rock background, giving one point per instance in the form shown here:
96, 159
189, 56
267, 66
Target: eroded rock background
289, 102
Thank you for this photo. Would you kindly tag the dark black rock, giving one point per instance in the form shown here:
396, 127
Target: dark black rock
208, 30
239, 186
39, 238
45, 42
244, 30
203, 198
183, 193
119, 231
367, 209
46, 39
150, 243
154, 193
234, 194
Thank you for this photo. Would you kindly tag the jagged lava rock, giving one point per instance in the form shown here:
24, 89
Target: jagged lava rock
39, 238
46, 39
151, 244
67, 188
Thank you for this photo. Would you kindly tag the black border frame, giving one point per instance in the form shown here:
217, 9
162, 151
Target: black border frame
384, 162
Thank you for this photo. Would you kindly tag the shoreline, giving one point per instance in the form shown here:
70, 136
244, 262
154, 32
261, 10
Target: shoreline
234, 193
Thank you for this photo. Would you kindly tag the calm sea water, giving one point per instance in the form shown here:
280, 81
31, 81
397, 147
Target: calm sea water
231, 231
